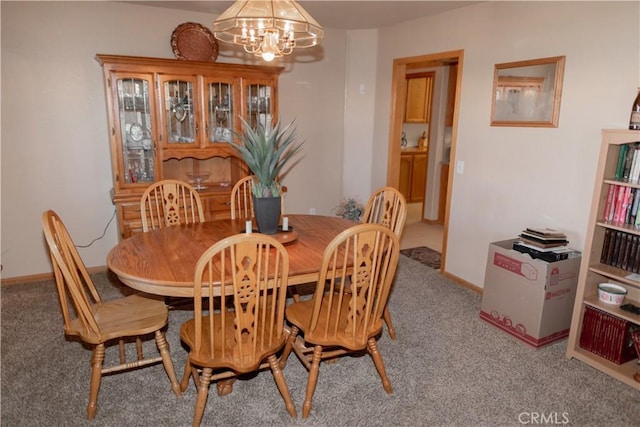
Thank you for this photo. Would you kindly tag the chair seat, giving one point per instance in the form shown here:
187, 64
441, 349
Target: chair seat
229, 358
133, 315
300, 314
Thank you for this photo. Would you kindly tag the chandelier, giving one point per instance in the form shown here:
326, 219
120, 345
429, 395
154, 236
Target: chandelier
268, 28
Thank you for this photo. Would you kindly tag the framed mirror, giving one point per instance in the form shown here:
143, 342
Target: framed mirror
527, 93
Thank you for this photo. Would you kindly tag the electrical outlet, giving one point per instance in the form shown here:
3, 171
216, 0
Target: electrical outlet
460, 166
312, 211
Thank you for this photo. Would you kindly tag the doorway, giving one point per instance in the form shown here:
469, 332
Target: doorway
439, 176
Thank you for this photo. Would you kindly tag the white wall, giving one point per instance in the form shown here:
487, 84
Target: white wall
54, 136
55, 147
360, 96
517, 177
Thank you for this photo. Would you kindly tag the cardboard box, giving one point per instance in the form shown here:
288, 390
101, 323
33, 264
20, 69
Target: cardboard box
530, 299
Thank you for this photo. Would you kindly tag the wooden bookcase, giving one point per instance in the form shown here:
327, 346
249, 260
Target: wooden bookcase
170, 119
593, 271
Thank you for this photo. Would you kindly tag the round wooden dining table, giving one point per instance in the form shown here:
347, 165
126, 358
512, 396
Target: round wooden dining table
163, 261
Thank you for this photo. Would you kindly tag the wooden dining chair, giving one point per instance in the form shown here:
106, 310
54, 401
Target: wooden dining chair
242, 199
387, 206
170, 202
237, 328
345, 316
99, 323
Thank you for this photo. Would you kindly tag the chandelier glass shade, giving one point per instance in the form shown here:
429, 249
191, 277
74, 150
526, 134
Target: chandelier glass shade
269, 28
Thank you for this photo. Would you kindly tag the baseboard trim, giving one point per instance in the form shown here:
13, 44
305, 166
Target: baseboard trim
42, 277
462, 282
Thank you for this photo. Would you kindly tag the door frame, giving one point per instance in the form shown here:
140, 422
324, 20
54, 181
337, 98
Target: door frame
398, 98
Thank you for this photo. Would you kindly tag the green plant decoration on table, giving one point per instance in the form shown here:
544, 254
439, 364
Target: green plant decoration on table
266, 149
350, 208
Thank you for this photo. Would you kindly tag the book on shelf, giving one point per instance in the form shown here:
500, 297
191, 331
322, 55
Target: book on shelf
621, 250
608, 336
634, 206
628, 161
622, 155
606, 242
619, 203
609, 210
635, 165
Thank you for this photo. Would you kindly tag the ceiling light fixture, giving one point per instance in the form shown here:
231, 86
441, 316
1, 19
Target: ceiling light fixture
268, 28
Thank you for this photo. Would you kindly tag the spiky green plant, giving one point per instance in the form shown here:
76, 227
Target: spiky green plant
266, 149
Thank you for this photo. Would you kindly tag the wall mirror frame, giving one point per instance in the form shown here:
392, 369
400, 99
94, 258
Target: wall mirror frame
527, 93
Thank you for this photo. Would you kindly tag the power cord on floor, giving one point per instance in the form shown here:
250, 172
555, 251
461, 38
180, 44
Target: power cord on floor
103, 233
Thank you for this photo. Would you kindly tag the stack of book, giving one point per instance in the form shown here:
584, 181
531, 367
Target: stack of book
543, 238
607, 336
543, 243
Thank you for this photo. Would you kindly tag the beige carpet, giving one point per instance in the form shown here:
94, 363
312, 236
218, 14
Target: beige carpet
447, 368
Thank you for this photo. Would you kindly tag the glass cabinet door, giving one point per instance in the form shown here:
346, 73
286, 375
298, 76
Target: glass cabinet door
134, 111
220, 111
259, 102
179, 116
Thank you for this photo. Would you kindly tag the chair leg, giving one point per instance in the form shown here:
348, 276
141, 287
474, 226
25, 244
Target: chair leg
314, 370
294, 294
163, 348
372, 346
387, 319
203, 393
186, 375
97, 360
282, 385
288, 346
225, 387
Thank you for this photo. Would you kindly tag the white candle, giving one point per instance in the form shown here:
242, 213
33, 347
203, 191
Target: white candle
248, 227
285, 223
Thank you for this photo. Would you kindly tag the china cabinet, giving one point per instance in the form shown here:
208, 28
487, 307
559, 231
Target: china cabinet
585, 343
171, 119
418, 105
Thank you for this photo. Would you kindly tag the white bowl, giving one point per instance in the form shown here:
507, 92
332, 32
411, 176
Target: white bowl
611, 293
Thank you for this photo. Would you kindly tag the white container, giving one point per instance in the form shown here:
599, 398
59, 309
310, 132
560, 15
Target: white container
611, 293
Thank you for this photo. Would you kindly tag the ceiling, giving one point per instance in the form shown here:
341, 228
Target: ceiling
348, 15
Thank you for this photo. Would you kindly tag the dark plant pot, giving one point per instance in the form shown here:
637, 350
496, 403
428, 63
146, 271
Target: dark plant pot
267, 212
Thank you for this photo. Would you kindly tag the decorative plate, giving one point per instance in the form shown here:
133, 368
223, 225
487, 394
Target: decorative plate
193, 42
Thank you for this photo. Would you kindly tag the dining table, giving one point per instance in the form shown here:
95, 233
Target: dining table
163, 261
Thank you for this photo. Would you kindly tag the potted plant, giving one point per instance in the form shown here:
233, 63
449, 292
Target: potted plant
266, 149
350, 208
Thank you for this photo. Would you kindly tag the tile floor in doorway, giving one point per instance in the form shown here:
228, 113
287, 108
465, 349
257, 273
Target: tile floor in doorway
417, 233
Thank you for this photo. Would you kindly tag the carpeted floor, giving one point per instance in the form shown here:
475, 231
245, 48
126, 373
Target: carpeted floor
447, 368
423, 254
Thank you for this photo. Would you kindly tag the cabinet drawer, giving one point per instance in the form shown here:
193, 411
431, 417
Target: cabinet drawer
216, 207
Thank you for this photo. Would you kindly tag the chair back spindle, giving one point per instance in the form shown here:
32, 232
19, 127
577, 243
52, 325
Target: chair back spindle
170, 202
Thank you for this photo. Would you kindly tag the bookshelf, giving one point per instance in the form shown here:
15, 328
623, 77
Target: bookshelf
600, 266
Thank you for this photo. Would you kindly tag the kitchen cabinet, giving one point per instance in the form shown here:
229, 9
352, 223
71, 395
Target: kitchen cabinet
171, 119
419, 90
413, 174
